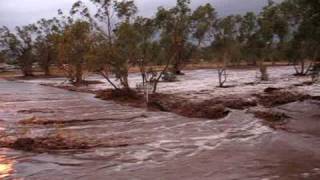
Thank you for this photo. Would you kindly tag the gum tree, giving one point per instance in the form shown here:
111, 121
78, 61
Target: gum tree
46, 45
74, 46
225, 45
304, 45
18, 47
113, 47
247, 32
203, 21
175, 27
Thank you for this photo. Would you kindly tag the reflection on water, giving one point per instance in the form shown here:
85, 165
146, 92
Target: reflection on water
6, 167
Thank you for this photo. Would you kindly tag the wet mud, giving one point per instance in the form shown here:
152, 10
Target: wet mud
275, 97
212, 108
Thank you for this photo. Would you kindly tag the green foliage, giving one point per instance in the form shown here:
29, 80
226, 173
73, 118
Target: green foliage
174, 27
125, 9
112, 39
74, 45
46, 45
225, 45
203, 21
18, 47
248, 27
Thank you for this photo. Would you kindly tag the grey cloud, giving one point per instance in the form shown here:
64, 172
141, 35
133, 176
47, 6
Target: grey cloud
20, 12
224, 7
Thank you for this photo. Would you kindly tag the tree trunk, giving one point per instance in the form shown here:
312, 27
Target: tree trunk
178, 48
177, 64
264, 72
79, 73
302, 67
176, 69
125, 82
222, 75
46, 70
155, 85
105, 75
27, 70
222, 71
46, 67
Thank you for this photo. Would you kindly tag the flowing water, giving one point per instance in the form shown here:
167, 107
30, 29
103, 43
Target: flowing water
144, 144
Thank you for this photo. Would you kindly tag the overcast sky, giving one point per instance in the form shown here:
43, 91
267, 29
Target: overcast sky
21, 12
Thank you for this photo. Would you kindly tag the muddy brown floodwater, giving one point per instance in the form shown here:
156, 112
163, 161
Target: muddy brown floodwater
122, 142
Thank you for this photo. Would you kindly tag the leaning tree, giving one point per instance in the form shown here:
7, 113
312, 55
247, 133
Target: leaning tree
112, 50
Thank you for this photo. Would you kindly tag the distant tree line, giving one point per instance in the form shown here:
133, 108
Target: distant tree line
111, 38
